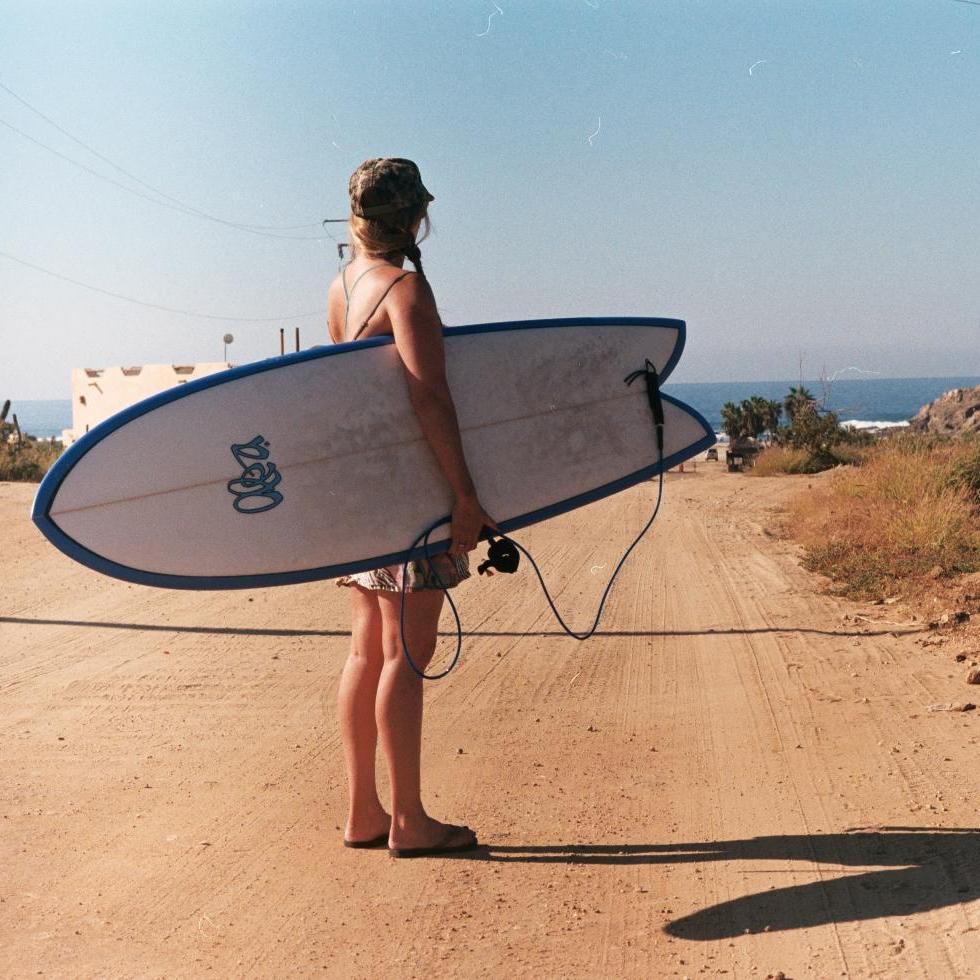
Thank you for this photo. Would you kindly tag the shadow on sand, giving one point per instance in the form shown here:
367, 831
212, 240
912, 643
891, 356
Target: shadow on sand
912, 869
259, 631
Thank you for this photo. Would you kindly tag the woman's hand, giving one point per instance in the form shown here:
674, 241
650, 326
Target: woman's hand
468, 521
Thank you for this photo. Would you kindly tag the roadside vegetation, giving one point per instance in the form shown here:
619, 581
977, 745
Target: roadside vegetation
909, 515
22, 457
28, 462
810, 440
898, 513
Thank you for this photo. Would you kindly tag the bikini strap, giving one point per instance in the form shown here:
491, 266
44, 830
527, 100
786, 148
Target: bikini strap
350, 292
377, 305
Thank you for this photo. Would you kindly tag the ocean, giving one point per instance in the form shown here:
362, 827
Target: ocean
42, 418
870, 400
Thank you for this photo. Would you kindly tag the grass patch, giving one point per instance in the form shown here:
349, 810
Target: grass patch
28, 462
910, 513
785, 459
966, 471
779, 459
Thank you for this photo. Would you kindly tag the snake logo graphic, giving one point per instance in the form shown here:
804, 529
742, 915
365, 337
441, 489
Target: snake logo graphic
255, 490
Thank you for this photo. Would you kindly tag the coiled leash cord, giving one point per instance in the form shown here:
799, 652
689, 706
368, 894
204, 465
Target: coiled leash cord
504, 557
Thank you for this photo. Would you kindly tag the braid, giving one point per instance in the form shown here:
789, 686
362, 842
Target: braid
389, 236
414, 254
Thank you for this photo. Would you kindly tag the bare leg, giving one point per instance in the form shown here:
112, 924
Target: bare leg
367, 818
399, 716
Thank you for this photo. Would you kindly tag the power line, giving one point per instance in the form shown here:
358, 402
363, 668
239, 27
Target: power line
163, 204
156, 306
153, 200
177, 205
156, 190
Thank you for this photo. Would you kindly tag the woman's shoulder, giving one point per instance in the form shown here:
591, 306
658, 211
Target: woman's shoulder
409, 288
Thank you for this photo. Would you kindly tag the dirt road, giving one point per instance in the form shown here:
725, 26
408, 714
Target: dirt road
736, 777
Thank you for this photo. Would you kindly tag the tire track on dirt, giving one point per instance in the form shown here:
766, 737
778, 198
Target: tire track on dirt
642, 794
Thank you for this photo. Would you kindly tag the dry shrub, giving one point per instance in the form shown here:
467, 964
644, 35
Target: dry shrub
778, 459
966, 470
785, 459
28, 462
908, 514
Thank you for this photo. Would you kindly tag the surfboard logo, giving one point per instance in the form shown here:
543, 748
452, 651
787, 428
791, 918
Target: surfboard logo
255, 490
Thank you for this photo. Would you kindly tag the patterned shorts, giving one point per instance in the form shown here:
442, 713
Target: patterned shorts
442, 571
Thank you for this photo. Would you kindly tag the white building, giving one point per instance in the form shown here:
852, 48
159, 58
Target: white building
97, 393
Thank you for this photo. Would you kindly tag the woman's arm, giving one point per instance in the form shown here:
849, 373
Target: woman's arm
417, 329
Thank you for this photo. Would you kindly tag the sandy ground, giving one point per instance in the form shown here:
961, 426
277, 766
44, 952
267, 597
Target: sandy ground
737, 776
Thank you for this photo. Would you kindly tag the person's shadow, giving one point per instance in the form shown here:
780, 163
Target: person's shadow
912, 869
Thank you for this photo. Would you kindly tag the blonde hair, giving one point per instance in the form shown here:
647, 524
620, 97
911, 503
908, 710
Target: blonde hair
385, 236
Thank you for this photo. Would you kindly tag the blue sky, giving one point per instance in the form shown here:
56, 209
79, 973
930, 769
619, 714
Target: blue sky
822, 205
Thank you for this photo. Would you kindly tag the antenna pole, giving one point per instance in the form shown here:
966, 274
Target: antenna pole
340, 245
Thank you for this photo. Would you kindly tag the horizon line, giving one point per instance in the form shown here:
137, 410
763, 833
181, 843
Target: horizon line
747, 381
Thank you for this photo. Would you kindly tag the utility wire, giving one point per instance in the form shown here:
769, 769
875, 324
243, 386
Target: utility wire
266, 230
183, 209
153, 200
141, 182
157, 306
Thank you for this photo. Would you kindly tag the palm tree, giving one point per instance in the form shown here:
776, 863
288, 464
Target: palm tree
732, 420
757, 415
798, 399
771, 413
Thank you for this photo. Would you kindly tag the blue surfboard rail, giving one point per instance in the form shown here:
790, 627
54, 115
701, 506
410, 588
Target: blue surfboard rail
52, 481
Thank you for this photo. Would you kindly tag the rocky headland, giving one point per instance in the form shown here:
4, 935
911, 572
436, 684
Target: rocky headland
957, 412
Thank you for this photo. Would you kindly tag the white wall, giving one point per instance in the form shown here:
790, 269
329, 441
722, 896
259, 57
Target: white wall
97, 393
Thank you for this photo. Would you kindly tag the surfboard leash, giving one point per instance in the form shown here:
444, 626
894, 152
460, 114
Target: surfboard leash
503, 554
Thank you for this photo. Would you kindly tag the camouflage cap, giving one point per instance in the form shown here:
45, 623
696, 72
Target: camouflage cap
384, 185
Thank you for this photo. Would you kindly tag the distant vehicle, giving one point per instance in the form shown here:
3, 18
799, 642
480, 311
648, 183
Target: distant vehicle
713, 454
741, 453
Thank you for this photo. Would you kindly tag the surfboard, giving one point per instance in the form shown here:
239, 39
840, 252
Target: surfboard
313, 465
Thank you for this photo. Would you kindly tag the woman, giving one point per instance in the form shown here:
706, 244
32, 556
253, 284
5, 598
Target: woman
380, 694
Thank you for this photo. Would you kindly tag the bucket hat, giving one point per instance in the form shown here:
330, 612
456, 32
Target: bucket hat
384, 185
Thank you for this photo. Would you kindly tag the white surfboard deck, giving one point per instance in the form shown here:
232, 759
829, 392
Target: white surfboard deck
313, 465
